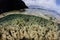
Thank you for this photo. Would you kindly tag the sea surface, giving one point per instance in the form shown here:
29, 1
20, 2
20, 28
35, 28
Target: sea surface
40, 11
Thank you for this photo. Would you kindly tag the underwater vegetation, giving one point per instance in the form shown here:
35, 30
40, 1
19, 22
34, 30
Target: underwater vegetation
28, 27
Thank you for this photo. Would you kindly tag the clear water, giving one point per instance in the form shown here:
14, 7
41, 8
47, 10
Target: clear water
43, 12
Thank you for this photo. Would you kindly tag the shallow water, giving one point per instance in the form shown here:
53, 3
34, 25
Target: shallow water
38, 12
43, 12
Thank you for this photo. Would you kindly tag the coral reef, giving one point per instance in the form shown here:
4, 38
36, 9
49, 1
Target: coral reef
28, 27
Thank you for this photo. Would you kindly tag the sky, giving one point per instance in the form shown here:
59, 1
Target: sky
58, 2
47, 4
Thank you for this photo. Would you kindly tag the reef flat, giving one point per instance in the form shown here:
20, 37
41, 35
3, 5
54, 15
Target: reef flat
28, 27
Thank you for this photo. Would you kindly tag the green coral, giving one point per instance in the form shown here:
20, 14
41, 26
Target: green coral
25, 20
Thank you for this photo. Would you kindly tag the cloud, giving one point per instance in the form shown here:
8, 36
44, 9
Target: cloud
48, 4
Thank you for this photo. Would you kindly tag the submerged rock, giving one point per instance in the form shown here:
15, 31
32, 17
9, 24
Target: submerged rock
28, 27
10, 5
